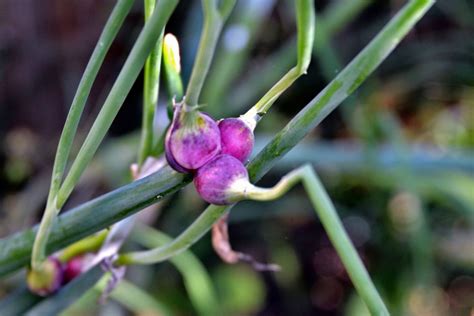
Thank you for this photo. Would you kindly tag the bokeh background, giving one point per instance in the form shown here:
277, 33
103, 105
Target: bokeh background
396, 158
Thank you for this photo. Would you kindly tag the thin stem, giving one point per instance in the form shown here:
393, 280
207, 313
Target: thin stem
192, 234
110, 31
213, 22
151, 82
134, 63
305, 15
332, 224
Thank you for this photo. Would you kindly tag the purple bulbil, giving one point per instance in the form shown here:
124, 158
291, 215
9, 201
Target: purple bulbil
192, 139
48, 279
73, 268
222, 180
236, 138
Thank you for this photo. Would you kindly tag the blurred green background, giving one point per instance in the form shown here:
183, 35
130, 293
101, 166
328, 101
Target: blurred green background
396, 158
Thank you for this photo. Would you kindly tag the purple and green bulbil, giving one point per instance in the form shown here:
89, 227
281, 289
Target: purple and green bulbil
222, 181
192, 140
214, 152
46, 280
236, 138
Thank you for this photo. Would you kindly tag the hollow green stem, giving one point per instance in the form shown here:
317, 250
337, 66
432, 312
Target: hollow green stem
151, 82
214, 19
305, 16
127, 76
110, 31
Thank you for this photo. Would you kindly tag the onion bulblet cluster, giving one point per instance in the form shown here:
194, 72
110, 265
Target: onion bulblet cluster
214, 151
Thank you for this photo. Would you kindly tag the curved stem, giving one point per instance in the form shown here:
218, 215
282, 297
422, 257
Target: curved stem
305, 15
213, 22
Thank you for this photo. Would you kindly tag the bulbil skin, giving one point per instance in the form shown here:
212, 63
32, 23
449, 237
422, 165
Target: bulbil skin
237, 138
222, 180
72, 269
48, 280
192, 140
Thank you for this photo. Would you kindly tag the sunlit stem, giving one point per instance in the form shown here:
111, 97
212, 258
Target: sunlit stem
305, 16
332, 224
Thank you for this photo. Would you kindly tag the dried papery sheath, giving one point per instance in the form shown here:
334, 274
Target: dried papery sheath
46, 280
237, 138
192, 140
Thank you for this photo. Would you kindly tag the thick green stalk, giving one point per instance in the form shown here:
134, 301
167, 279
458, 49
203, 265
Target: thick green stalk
151, 81
214, 19
99, 213
127, 76
66, 139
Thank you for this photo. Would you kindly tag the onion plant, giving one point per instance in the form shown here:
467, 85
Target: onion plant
83, 229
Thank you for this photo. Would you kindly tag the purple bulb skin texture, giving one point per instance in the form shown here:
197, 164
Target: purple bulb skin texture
219, 180
72, 269
48, 280
192, 139
237, 138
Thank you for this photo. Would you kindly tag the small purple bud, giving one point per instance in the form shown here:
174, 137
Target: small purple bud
73, 268
222, 181
192, 139
46, 280
236, 138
